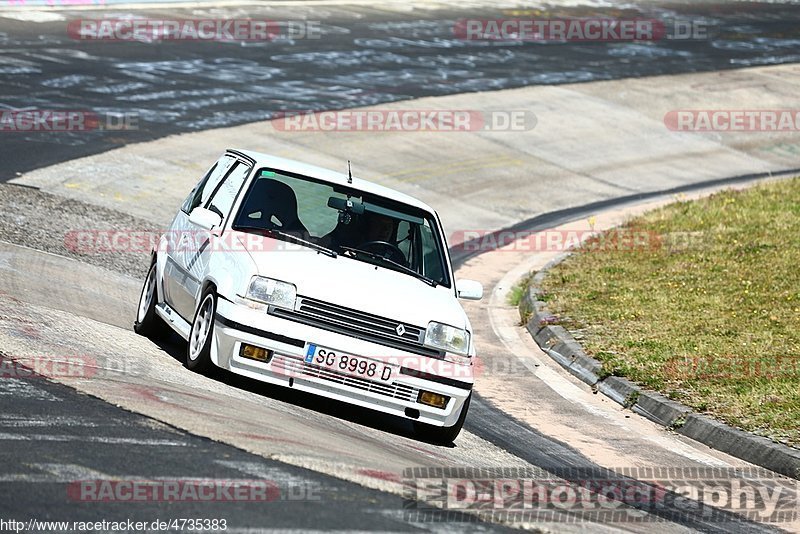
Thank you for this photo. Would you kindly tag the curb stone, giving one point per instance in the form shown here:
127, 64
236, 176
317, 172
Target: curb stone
559, 344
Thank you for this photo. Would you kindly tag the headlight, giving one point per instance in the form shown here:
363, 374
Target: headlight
273, 292
447, 338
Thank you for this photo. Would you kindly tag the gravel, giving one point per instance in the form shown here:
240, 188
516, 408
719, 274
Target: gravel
71, 228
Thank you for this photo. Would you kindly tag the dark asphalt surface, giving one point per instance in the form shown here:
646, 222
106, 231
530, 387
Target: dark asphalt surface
365, 56
63, 451
53, 437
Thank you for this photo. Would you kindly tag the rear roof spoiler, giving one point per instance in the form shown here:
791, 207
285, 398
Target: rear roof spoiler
241, 155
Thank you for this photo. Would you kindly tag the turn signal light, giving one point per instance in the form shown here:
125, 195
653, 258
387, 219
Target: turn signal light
432, 399
255, 353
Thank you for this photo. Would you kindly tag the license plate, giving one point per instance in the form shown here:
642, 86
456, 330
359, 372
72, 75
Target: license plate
359, 366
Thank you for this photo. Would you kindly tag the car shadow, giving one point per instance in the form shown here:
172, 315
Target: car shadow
175, 347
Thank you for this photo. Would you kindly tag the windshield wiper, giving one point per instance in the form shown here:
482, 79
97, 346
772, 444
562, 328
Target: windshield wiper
289, 237
398, 266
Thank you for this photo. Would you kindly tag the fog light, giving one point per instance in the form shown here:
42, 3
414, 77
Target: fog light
255, 353
432, 399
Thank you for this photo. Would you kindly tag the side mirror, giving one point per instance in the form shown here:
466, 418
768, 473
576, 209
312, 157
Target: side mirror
205, 219
469, 289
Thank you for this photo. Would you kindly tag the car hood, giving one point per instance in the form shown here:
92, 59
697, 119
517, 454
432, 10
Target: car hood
361, 286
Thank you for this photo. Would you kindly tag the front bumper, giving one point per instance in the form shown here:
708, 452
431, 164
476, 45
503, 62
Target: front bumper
288, 341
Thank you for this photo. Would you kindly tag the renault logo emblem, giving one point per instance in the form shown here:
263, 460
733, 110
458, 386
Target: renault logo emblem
400, 330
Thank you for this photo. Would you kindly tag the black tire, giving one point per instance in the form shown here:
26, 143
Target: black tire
147, 322
198, 348
443, 435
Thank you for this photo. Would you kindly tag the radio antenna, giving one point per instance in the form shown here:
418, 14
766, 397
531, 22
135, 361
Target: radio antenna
349, 173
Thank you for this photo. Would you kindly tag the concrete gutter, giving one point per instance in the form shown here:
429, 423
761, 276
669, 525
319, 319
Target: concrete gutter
560, 345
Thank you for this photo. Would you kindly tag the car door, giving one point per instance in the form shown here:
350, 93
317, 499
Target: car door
205, 243
177, 284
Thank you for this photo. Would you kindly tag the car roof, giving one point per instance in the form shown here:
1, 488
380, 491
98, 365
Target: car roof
332, 177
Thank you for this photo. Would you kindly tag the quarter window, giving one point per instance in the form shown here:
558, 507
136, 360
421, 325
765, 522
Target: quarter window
203, 190
225, 195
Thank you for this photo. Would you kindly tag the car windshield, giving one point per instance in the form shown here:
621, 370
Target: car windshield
347, 221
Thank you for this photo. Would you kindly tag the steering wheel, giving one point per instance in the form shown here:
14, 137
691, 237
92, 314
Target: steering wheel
387, 250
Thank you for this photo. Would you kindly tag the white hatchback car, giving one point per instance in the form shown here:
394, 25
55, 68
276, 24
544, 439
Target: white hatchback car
314, 280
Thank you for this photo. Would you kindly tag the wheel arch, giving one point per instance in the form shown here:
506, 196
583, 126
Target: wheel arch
207, 283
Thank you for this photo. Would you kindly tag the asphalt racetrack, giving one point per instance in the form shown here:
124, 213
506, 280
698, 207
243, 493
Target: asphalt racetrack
365, 55
75, 447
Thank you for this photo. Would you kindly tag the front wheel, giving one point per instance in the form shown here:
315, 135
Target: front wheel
148, 323
198, 353
443, 435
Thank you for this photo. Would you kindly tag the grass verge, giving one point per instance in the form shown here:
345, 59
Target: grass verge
700, 301
519, 289
517, 293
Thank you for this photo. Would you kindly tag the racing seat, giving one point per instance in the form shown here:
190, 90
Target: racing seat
273, 205
351, 234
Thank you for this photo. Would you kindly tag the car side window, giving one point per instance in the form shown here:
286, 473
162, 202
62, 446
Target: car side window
203, 190
223, 198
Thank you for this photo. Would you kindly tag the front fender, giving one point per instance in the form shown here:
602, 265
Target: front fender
229, 271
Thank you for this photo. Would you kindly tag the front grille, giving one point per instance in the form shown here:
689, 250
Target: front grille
296, 367
357, 324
